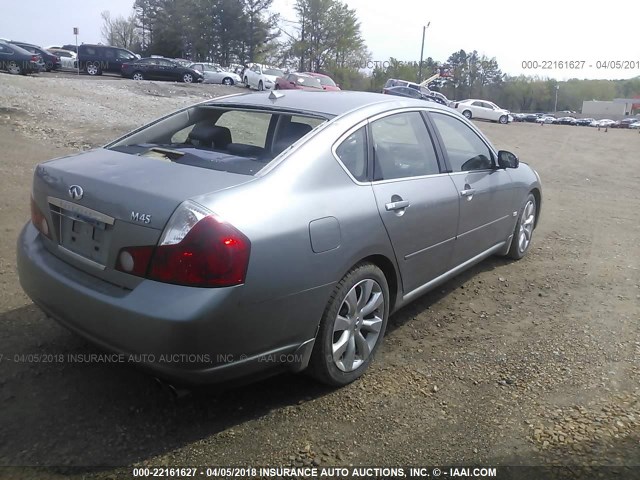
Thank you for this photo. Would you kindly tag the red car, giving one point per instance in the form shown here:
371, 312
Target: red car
298, 81
327, 82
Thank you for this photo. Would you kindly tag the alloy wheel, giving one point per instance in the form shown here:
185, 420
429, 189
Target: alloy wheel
527, 221
357, 325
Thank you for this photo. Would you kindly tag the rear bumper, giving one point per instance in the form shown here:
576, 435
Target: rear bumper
183, 334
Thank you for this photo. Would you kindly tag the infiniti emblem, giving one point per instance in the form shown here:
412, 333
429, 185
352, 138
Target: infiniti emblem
76, 192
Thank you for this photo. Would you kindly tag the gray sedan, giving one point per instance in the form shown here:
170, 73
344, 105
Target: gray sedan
262, 231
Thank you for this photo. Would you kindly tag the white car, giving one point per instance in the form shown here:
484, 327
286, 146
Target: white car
635, 125
547, 119
68, 59
261, 77
482, 109
605, 123
216, 74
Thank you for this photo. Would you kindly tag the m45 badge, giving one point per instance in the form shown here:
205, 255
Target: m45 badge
140, 217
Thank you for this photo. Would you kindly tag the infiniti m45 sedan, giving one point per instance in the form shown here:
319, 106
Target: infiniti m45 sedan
267, 231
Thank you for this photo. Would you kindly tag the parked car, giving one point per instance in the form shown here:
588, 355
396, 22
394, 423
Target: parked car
626, 123
298, 81
326, 81
547, 119
154, 68
17, 60
605, 123
482, 109
261, 77
96, 59
635, 124
220, 251
412, 93
68, 59
216, 74
51, 61
394, 82
566, 121
531, 117
584, 122
519, 117
71, 48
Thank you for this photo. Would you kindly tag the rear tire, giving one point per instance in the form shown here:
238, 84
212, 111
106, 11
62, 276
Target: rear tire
467, 114
14, 69
523, 233
92, 69
137, 76
352, 326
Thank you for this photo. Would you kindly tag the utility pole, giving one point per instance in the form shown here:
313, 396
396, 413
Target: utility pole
555, 106
424, 31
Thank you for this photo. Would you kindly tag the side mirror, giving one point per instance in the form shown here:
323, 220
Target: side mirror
507, 159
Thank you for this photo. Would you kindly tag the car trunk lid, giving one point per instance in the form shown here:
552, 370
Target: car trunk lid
101, 201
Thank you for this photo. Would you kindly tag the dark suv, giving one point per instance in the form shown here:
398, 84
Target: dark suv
95, 59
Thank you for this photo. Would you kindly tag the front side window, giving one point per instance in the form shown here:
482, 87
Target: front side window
402, 147
352, 152
465, 149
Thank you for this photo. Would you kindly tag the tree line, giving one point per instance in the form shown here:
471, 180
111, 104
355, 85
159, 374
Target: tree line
325, 36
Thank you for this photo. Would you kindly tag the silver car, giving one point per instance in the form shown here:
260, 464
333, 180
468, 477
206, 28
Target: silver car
216, 74
263, 231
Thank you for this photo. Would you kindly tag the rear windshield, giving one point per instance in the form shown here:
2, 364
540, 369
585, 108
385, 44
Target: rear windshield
226, 139
327, 81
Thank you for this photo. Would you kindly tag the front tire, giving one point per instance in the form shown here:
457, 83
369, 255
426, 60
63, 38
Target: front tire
467, 114
503, 119
523, 233
187, 78
352, 326
227, 81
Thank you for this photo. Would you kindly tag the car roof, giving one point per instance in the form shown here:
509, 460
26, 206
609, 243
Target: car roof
314, 74
323, 103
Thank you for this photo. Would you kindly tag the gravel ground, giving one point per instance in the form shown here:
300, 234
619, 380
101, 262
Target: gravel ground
533, 362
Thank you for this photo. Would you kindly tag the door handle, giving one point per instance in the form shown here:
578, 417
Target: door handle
397, 205
468, 192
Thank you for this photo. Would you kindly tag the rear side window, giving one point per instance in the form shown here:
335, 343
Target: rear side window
465, 149
402, 147
352, 152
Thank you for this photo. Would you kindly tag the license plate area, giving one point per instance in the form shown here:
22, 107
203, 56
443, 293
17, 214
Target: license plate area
82, 231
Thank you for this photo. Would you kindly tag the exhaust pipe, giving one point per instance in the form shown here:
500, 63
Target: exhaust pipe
175, 392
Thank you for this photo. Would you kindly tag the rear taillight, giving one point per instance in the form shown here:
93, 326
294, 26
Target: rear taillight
124, 65
197, 249
38, 219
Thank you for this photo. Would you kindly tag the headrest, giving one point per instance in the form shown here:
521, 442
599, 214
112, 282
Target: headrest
210, 136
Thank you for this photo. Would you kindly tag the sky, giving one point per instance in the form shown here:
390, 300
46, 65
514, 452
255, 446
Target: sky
545, 33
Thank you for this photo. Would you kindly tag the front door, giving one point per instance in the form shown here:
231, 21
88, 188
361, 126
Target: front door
485, 192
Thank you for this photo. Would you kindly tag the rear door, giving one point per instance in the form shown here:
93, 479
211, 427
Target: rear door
416, 201
485, 192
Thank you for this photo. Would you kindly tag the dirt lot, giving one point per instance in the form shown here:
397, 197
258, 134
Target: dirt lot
513, 363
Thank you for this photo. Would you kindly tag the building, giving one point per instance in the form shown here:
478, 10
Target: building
596, 108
